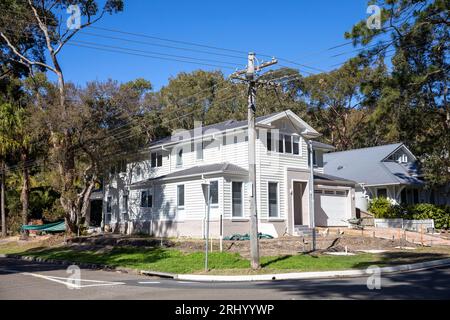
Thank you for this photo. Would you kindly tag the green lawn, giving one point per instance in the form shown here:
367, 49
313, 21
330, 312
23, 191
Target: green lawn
174, 261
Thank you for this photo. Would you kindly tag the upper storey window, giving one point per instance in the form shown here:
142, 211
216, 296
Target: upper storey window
156, 159
284, 143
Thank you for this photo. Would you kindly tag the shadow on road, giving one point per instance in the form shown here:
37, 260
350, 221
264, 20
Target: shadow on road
424, 284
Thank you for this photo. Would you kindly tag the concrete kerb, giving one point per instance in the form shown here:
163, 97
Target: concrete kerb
245, 278
314, 275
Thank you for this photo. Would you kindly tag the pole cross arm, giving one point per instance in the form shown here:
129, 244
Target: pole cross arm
266, 64
236, 77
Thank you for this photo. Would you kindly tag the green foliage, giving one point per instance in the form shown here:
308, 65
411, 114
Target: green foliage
440, 214
44, 204
382, 208
411, 101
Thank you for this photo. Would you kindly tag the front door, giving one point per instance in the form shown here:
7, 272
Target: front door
298, 189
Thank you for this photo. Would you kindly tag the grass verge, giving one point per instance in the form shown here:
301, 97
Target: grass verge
174, 261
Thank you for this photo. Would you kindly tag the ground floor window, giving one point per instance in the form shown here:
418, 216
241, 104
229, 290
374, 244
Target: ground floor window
237, 210
108, 209
146, 199
273, 199
180, 196
214, 192
108, 204
125, 203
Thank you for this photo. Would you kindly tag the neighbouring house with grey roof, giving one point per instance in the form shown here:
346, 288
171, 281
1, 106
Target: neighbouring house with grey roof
389, 171
162, 194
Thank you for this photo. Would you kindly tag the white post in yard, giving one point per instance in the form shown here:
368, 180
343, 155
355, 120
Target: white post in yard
207, 195
221, 233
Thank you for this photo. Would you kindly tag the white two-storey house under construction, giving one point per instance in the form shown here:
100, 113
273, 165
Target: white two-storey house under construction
162, 195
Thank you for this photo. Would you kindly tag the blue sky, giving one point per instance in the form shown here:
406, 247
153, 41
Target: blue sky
298, 30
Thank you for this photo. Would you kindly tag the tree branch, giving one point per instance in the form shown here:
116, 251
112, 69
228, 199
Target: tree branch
24, 60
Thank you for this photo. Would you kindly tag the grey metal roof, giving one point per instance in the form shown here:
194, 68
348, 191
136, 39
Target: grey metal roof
215, 168
221, 126
321, 145
405, 174
366, 166
329, 179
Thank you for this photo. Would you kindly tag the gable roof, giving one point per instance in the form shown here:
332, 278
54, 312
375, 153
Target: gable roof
366, 166
242, 124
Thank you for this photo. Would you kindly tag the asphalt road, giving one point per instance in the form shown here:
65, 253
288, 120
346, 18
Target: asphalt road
31, 280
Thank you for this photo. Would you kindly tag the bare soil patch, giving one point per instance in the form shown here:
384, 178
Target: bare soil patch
268, 247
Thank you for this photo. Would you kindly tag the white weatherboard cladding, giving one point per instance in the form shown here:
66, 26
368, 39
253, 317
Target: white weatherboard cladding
165, 202
272, 167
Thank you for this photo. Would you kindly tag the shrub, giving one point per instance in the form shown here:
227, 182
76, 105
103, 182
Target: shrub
430, 211
382, 208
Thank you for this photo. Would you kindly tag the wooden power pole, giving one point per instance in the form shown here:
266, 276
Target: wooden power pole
252, 80
2, 198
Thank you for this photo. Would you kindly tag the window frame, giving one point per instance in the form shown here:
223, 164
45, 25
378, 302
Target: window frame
280, 144
288, 145
298, 143
241, 216
159, 159
109, 204
181, 207
125, 203
179, 157
269, 141
277, 200
214, 204
148, 204
156, 159
284, 141
315, 162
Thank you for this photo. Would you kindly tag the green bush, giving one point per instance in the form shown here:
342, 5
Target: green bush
382, 208
439, 214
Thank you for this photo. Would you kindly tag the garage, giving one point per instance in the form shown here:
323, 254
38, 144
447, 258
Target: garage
332, 207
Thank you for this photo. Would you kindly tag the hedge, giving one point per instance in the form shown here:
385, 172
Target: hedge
382, 208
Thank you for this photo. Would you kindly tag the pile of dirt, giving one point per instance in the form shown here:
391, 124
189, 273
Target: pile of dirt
120, 240
355, 243
267, 247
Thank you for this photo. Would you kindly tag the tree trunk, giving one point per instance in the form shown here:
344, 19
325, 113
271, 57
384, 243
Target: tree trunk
25, 195
85, 205
2, 199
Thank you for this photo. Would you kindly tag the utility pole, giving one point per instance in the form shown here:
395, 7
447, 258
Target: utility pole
2, 198
252, 80
312, 221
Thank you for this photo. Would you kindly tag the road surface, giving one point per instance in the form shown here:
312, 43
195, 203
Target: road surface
32, 280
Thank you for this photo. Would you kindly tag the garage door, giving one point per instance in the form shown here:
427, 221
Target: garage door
331, 207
